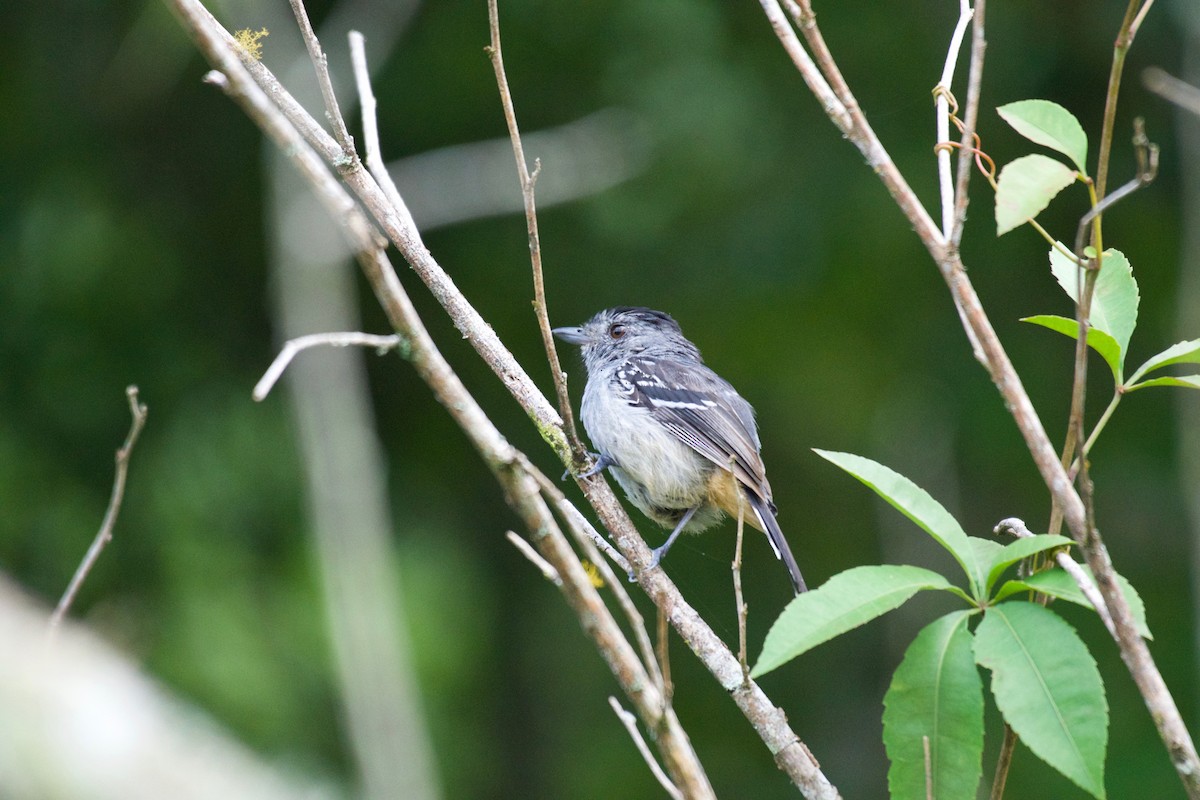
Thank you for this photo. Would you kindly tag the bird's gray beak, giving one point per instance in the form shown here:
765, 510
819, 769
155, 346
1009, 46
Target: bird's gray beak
571, 335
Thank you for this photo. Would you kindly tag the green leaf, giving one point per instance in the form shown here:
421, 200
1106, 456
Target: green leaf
1115, 301
936, 693
1023, 548
1185, 381
1098, 340
1181, 353
842, 603
916, 504
1025, 187
986, 552
1051, 125
1057, 583
1048, 689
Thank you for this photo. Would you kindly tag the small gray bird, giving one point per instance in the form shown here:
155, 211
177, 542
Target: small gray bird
678, 438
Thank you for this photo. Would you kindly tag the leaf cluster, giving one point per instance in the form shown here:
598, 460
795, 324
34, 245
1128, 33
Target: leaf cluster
1043, 679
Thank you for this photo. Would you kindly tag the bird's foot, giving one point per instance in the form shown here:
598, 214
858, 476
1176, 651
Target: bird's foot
603, 462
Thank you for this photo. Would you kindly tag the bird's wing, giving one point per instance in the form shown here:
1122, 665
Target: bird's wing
703, 410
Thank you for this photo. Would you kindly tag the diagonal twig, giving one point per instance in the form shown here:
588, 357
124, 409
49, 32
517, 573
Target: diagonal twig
321, 64
630, 723
528, 184
138, 412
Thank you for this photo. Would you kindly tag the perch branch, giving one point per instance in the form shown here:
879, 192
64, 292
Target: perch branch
498, 454
768, 721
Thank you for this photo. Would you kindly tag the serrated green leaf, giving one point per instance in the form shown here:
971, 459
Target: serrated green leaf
936, 693
1025, 187
1181, 353
842, 603
1057, 583
1051, 125
1184, 381
915, 503
1022, 548
1048, 688
1098, 340
1115, 301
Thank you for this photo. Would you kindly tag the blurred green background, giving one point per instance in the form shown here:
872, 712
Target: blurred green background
134, 250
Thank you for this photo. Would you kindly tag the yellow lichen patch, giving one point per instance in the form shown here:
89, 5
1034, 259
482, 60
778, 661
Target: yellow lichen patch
249, 40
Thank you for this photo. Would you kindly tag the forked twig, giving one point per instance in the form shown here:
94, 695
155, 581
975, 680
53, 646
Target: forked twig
138, 412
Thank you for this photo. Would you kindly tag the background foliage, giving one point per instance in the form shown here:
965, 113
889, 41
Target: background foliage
131, 225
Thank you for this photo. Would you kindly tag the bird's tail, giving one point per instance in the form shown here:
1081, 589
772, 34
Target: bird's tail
766, 515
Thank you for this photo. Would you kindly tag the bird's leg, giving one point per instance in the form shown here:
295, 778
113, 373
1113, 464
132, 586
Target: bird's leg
603, 462
662, 549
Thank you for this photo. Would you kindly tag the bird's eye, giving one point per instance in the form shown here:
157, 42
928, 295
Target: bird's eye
616, 330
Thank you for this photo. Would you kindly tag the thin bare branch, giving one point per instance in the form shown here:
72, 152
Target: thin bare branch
366, 101
663, 642
630, 723
526, 549
954, 198
320, 63
293, 347
528, 184
1141, 16
942, 98
967, 144
138, 412
742, 609
1015, 527
817, 84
